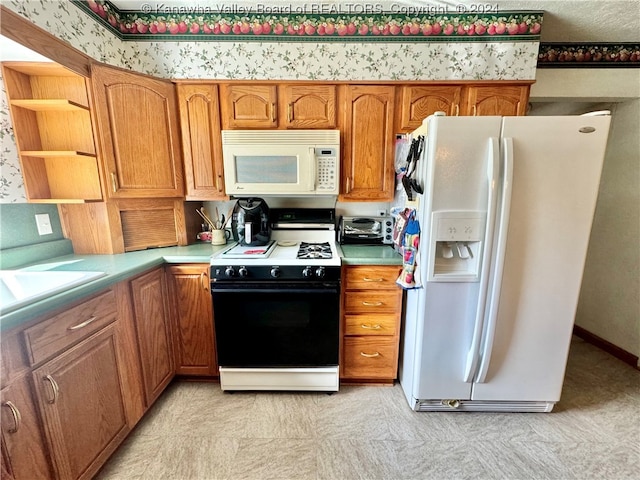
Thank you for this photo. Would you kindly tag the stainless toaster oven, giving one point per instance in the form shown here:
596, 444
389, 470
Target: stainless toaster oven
366, 230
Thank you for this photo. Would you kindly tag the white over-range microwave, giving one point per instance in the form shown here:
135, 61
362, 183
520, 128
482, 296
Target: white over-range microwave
281, 162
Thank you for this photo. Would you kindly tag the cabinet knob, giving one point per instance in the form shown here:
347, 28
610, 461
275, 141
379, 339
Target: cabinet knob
83, 324
17, 418
370, 355
372, 304
114, 182
371, 327
54, 386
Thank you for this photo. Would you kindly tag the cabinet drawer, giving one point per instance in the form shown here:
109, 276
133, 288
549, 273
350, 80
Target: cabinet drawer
374, 324
57, 333
371, 277
370, 357
384, 301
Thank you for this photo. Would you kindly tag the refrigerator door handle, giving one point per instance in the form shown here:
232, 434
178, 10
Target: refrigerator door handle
498, 263
493, 176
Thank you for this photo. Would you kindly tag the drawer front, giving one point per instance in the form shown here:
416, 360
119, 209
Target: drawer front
374, 324
383, 301
57, 333
370, 357
371, 277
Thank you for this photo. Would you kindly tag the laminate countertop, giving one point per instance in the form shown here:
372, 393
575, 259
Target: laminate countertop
120, 267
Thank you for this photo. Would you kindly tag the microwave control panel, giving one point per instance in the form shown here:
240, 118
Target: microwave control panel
327, 169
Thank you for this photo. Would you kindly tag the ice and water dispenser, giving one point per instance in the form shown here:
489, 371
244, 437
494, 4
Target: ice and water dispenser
455, 246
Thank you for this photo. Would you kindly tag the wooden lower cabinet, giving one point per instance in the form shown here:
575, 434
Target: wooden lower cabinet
81, 402
371, 313
192, 319
151, 319
22, 438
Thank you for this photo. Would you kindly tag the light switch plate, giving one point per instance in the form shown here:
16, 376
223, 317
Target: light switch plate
43, 222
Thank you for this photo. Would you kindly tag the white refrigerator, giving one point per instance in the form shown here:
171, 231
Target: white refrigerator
505, 221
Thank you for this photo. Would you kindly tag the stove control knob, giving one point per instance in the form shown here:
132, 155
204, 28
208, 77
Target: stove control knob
229, 272
243, 272
307, 272
320, 272
275, 272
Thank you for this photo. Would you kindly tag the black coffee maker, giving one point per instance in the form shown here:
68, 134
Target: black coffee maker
250, 222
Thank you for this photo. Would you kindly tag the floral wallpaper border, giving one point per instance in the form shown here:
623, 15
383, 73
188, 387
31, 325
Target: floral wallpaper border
316, 22
589, 55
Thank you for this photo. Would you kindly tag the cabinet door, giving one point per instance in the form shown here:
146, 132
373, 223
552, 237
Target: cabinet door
497, 100
368, 172
137, 123
248, 106
81, 400
201, 141
308, 106
418, 102
192, 316
154, 335
21, 432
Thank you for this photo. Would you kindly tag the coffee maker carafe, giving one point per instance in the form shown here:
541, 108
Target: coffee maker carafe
250, 222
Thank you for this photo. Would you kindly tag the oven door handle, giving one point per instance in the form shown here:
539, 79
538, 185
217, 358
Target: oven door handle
218, 289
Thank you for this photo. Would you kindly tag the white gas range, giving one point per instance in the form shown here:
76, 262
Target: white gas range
276, 307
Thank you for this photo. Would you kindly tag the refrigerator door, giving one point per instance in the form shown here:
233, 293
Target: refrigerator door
439, 323
557, 163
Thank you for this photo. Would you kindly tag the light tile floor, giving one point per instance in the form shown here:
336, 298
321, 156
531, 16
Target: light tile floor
195, 431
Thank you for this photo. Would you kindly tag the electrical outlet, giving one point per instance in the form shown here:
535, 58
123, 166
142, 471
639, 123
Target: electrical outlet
44, 224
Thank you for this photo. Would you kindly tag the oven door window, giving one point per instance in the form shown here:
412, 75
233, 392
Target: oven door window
282, 327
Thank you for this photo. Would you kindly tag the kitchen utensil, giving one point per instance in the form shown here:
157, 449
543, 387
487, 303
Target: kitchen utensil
204, 217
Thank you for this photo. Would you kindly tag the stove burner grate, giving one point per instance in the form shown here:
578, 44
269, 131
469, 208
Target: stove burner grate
314, 250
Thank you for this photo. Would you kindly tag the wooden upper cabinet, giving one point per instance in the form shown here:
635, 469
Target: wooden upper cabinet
497, 100
138, 125
51, 120
418, 102
368, 150
201, 141
248, 106
278, 106
308, 106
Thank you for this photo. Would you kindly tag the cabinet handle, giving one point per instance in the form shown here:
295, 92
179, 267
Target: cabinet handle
17, 418
371, 327
83, 324
372, 304
370, 355
348, 185
290, 113
203, 283
273, 112
55, 388
219, 183
458, 109
369, 279
114, 182
473, 110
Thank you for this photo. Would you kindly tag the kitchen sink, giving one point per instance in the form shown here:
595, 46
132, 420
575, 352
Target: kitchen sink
21, 287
